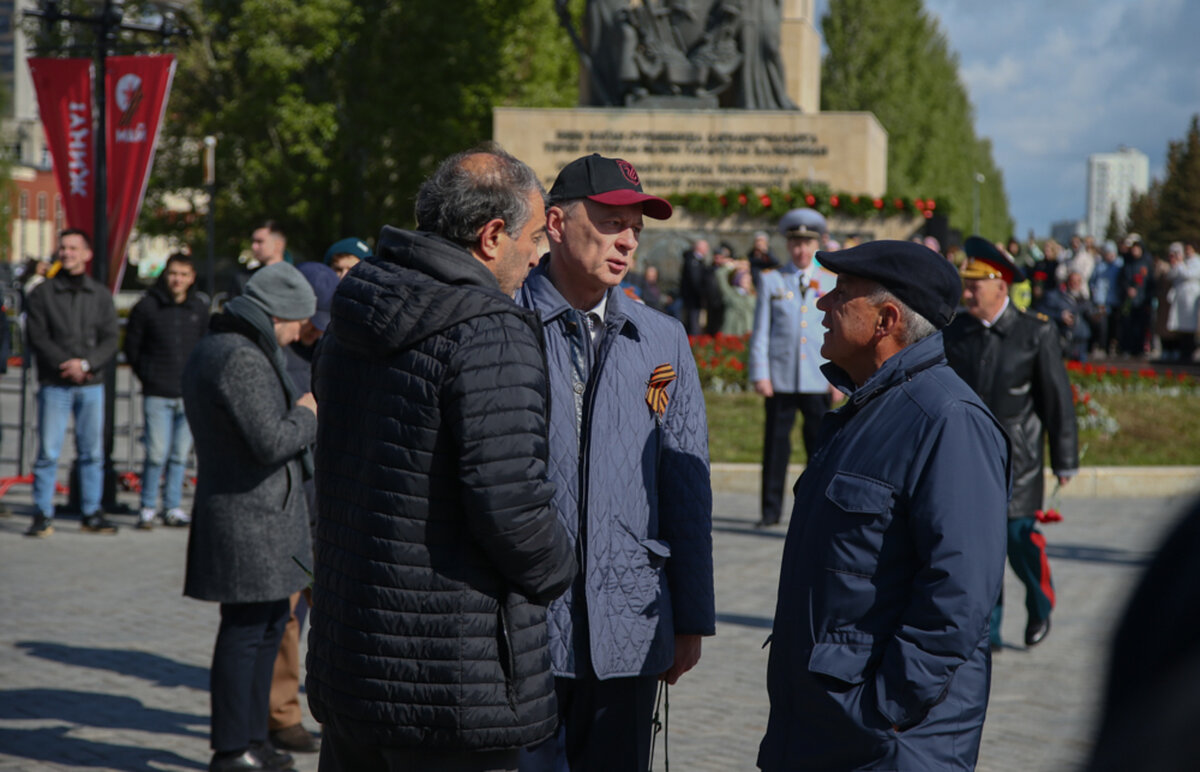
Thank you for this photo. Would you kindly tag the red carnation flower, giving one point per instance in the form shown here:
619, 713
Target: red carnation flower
724, 201
878, 203
919, 204
931, 204
765, 200
742, 199
810, 199
834, 201
898, 203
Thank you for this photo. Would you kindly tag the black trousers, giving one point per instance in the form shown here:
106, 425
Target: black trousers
602, 726
339, 754
777, 442
242, 664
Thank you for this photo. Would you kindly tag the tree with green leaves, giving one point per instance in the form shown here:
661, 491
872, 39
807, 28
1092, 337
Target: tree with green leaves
1116, 225
893, 60
1143, 216
330, 113
1179, 198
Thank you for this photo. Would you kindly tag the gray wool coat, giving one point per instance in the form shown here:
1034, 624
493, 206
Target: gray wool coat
250, 516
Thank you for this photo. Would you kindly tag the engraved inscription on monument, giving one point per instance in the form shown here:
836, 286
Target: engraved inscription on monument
697, 151
688, 160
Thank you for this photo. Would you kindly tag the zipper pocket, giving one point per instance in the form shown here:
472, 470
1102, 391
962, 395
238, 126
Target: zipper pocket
508, 658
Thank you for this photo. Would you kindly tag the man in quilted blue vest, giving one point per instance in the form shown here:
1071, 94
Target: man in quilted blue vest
629, 459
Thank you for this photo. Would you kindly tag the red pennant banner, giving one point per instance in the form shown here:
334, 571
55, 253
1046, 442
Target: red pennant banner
137, 89
64, 92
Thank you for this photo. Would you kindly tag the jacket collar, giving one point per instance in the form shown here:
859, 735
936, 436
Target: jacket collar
1007, 319
540, 294
901, 367
63, 283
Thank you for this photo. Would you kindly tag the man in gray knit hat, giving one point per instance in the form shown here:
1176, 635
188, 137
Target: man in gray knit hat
253, 429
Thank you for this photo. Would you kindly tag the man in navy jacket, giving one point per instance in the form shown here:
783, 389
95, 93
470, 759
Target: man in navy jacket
895, 550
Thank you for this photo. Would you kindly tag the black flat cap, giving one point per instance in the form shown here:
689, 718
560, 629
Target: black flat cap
922, 279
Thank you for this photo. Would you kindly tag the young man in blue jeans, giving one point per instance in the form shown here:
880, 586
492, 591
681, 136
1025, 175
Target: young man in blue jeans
164, 327
72, 326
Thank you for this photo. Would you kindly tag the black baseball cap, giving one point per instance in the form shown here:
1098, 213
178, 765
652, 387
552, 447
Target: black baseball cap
922, 279
609, 181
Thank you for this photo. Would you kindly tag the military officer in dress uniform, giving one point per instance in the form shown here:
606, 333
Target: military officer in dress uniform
1012, 359
785, 351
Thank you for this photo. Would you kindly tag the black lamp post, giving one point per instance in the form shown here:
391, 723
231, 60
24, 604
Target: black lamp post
108, 22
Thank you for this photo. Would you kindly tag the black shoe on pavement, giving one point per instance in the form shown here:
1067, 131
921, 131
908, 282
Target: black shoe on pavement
41, 527
272, 757
98, 523
296, 739
227, 762
1036, 631
766, 524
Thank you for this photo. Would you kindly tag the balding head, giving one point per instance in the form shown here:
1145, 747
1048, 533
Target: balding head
470, 189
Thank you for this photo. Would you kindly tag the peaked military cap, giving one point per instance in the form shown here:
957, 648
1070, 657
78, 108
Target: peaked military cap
988, 262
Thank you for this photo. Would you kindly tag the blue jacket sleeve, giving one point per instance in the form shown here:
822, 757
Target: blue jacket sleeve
685, 501
760, 366
958, 524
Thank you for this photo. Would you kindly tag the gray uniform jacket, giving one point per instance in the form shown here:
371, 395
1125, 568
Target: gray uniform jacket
786, 343
250, 517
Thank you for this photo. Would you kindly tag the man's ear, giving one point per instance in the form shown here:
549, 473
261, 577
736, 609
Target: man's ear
555, 221
489, 238
889, 320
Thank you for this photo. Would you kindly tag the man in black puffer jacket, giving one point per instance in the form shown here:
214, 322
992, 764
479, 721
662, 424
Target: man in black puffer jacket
164, 327
437, 548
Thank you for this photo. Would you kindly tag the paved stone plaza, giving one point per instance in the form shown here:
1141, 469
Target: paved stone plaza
104, 664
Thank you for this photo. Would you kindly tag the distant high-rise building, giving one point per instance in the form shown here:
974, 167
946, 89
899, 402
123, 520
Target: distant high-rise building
1113, 180
1063, 230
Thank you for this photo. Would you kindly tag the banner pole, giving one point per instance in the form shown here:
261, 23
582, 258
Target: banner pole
210, 181
100, 237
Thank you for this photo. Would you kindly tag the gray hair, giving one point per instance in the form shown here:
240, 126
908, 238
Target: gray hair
916, 327
471, 188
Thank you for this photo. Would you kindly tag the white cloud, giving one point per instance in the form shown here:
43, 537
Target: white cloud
1053, 82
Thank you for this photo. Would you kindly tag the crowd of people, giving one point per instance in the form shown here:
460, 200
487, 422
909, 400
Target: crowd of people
491, 450
1109, 299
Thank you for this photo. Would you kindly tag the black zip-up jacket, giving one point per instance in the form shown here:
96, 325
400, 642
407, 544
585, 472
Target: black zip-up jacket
437, 546
160, 336
71, 317
1016, 368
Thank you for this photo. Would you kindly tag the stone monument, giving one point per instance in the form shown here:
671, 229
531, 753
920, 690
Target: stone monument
701, 95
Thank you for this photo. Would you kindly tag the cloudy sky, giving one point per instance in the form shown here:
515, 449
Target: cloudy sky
1053, 81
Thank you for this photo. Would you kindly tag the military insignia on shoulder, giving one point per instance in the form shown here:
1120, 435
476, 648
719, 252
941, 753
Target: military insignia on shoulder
1041, 317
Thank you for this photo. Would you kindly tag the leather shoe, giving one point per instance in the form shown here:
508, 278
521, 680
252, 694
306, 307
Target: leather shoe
296, 739
271, 757
222, 762
1036, 631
